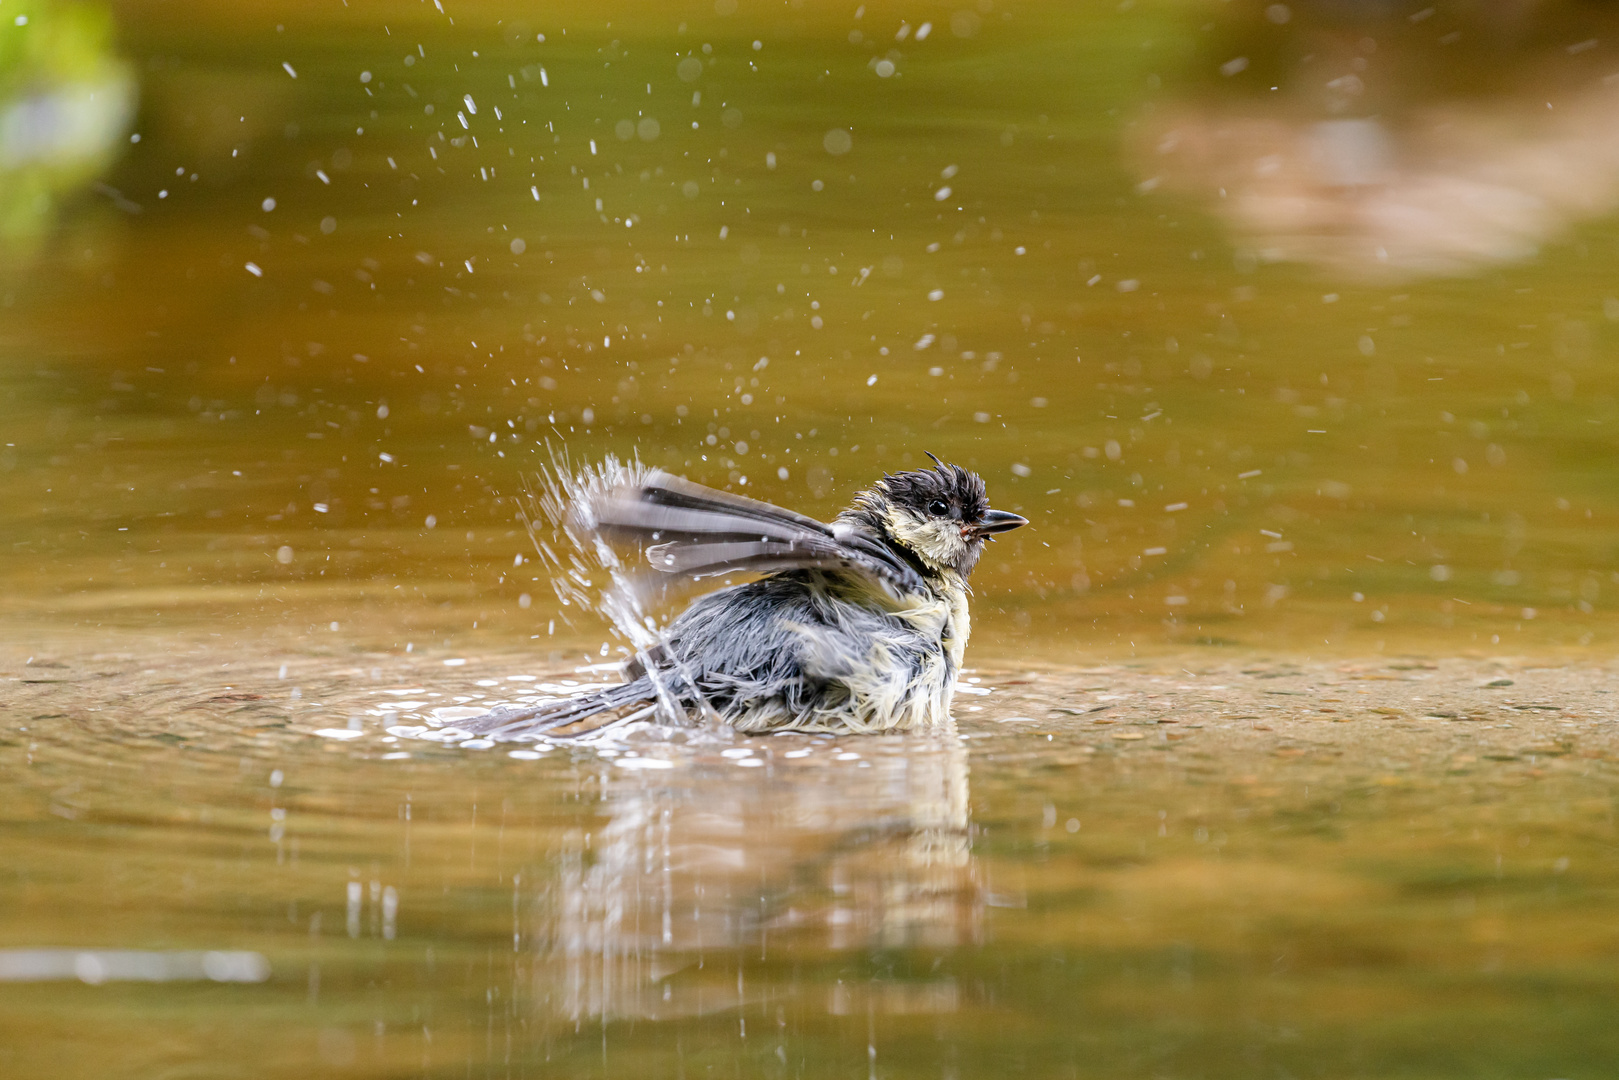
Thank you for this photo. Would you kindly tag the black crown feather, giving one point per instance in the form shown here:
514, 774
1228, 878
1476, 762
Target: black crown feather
954, 485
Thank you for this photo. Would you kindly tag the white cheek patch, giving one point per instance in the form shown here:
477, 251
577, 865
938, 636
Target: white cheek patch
908, 530
938, 543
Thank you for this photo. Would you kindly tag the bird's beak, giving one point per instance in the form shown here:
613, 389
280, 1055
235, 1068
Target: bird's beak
999, 521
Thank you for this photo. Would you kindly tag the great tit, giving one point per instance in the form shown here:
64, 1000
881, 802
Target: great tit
855, 626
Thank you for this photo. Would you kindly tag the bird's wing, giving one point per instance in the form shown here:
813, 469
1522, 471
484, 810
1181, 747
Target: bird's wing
699, 532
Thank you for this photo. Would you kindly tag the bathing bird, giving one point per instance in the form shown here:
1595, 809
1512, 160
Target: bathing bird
854, 626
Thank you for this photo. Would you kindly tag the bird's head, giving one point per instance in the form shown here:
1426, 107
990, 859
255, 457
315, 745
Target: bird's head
941, 515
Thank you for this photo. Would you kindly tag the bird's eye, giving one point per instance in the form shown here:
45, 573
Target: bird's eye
938, 508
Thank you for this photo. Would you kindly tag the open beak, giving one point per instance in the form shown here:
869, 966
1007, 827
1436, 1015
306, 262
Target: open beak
999, 521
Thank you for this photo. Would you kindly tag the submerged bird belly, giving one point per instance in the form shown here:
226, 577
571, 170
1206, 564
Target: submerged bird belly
814, 654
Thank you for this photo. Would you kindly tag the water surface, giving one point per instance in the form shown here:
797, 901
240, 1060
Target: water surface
1386, 868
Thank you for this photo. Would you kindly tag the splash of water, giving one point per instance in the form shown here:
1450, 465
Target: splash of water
588, 574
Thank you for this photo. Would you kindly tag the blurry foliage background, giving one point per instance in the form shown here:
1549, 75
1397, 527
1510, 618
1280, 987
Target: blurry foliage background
279, 345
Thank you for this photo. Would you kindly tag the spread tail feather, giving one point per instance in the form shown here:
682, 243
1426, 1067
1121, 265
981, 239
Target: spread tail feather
618, 704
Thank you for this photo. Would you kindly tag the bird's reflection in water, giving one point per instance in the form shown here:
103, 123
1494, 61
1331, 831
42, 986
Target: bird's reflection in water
1384, 142
706, 883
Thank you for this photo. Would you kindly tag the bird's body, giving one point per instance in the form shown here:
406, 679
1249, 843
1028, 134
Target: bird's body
857, 626
824, 650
